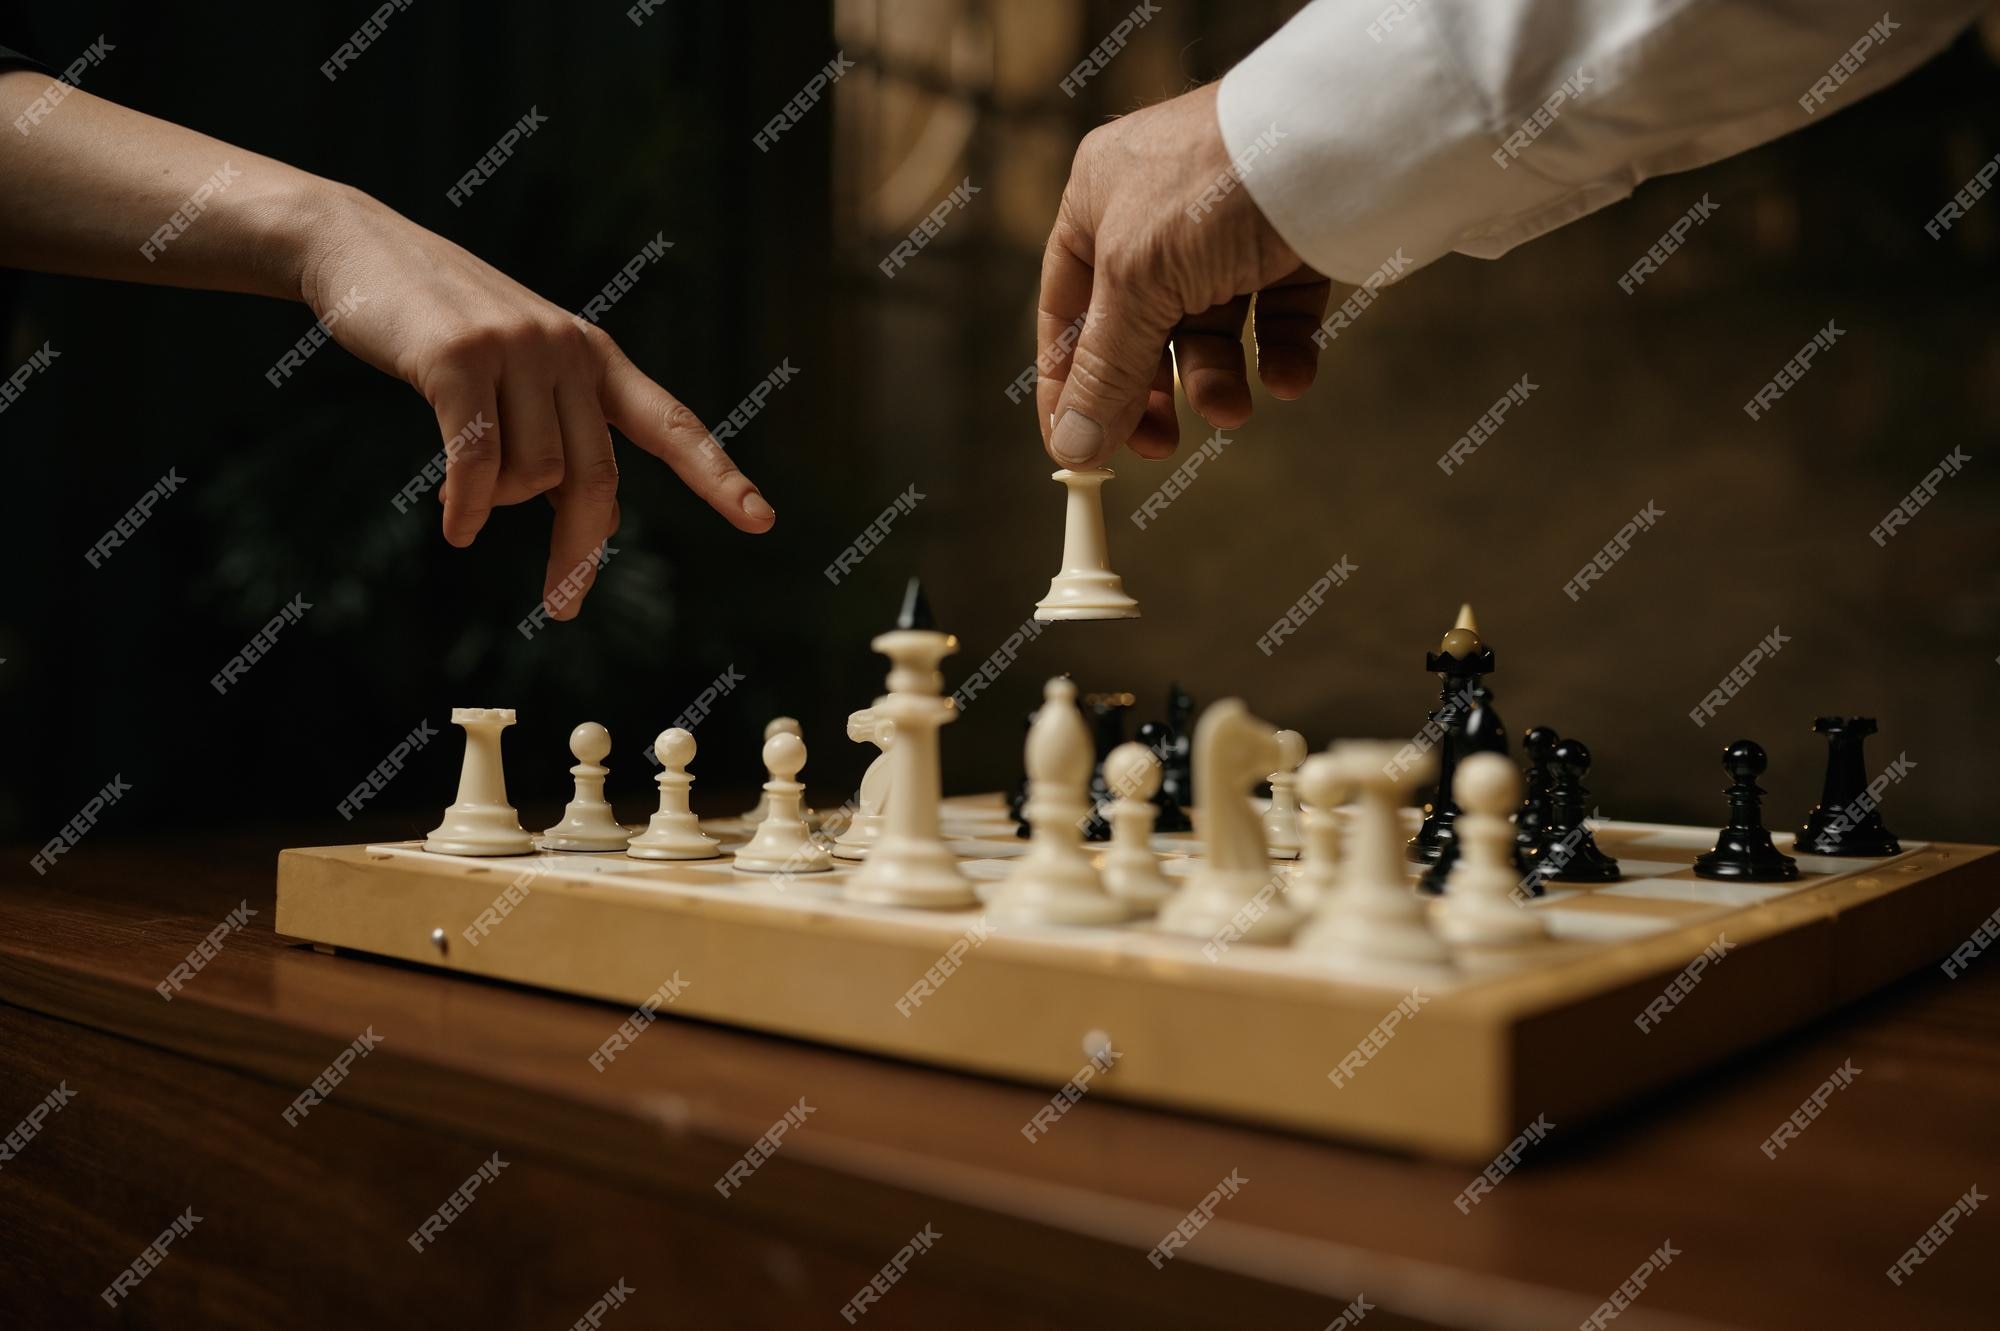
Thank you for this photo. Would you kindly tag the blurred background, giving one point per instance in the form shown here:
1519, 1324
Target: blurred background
902, 382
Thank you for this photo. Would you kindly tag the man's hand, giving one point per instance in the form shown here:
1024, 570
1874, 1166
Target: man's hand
480, 346
1143, 264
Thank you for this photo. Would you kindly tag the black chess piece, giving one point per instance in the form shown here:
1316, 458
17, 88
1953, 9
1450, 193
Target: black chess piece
1847, 821
1177, 756
1483, 732
1167, 816
1459, 663
1531, 820
916, 611
1743, 849
1107, 726
1569, 852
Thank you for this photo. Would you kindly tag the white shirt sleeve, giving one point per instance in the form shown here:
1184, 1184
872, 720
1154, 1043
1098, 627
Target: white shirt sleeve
1369, 128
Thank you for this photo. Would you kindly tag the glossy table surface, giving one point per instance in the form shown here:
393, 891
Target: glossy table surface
311, 1221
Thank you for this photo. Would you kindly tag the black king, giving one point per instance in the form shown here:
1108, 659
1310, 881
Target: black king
1465, 722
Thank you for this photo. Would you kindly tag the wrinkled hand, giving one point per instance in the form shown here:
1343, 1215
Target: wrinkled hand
1146, 255
481, 347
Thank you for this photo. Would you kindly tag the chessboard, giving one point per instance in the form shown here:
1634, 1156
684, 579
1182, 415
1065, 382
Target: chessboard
1640, 983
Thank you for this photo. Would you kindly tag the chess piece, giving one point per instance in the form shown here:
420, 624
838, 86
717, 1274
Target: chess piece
480, 821
1847, 821
673, 833
1479, 906
1131, 869
777, 725
1086, 588
1107, 731
1321, 788
1055, 882
1569, 851
1743, 849
783, 843
1177, 757
1168, 816
867, 726
588, 822
909, 864
1531, 820
1371, 916
1281, 821
1460, 662
1233, 750
1017, 795
1483, 732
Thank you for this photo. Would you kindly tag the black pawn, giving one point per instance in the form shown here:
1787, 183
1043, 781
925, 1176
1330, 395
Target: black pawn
1847, 820
1531, 820
1743, 849
1167, 815
1569, 852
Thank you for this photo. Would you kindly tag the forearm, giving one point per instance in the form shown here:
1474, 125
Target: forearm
99, 190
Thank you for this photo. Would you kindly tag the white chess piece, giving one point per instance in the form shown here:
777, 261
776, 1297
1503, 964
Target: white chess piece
1131, 869
1055, 882
481, 821
1373, 915
777, 725
867, 726
1479, 906
910, 865
1282, 833
588, 823
784, 844
1321, 789
1234, 886
1086, 588
674, 833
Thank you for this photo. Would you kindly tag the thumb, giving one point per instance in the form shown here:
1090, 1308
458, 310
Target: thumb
1110, 374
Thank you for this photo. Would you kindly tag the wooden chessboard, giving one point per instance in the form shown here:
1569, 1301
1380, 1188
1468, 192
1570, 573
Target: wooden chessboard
1244, 1030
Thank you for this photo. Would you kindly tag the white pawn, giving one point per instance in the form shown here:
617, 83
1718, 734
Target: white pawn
674, 833
777, 725
1131, 869
784, 844
1373, 916
1479, 905
1282, 834
588, 822
867, 726
1085, 588
1321, 788
1055, 882
481, 821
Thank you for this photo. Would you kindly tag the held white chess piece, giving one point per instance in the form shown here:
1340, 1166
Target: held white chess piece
1373, 916
909, 864
674, 833
1086, 588
784, 844
1281, 821
1055, 882
588, 822
1321, 789
1131, 869
1479, 905
481, 821
867, 726
777, 725
1233, 750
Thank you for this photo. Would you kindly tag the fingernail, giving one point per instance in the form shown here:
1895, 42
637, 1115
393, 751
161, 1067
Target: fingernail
754, 507
1076, 440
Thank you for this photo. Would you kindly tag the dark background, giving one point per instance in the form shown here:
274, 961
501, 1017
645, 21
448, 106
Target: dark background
903, 383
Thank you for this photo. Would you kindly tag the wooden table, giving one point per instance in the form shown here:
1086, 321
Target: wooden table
610, 1175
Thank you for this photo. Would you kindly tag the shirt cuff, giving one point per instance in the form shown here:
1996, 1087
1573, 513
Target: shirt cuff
1375, 151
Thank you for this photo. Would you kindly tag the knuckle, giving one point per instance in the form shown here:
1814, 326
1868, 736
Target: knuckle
474, 453
540, 473
474, 345
598, 481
